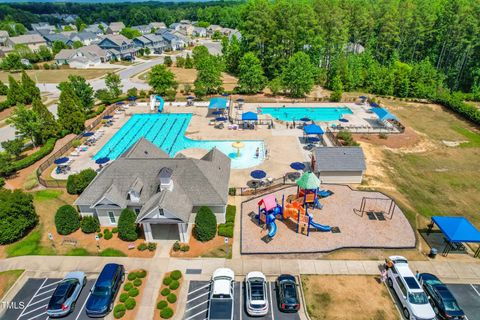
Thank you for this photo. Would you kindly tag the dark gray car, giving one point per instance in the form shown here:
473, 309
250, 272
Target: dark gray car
66, 294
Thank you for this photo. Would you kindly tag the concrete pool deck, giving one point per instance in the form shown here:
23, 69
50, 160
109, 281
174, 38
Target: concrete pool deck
356, 231
284, 145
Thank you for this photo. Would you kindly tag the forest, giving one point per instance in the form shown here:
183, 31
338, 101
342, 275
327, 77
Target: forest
406, 48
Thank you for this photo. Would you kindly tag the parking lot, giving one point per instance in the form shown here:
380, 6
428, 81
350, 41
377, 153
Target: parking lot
197, 302
468, 297
35, 295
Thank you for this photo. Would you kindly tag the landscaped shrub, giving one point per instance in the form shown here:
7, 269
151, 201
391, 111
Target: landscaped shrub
31, 159
142, 246
127, 227
226, 229
205, 224
133, 292
167, 281
166, 313
17, 215
67, 220
89, 224
110, 252
176, 246
172, 298
128, 286
162, 304
176, 274
115, 230
107, 235
76, 183
151, 246
130, 304
174, 285
141, 274
132, 276
185, 248
123, 297
137, 282
119, 311
100, 235
165, 292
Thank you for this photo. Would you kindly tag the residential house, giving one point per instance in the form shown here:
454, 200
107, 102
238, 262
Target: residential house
212, 28
199, 32
97, 28
52, 37
143, 29
115, 28
186, 39
118, 46
174, 26
3, 37
32, 41
85, 37
173, 42
165, 193
339, 164
82, 58
157, 25
354, 47
230, 33
152, 41
43, 27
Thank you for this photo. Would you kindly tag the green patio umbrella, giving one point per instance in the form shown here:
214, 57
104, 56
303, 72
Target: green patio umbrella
308, 181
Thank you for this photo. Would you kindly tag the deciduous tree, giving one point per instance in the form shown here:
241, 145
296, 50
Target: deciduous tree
251, 78
161, 79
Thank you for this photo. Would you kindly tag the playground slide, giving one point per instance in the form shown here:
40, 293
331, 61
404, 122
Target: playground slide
320, 227
272, 229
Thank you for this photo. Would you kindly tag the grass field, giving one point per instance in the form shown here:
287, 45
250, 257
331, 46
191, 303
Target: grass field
56, 76
347, 297
7, 279
430, 177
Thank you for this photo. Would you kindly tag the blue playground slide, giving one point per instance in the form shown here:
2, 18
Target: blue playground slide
320, 227
272, 229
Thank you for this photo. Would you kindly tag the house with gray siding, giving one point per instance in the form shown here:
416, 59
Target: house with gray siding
341, 165
164, 192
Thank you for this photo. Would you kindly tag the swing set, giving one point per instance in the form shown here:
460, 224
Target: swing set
377, 206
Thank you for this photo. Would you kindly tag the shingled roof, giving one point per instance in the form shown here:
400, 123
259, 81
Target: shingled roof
339, 159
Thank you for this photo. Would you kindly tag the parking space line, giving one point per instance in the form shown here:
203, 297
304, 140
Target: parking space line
39, 294
191, 317
42, 306
205, 286
38, 315
26, 306
475, 289
51, 284
241, 300
203, 294
83, 306
31, 304
191, 308
271, 304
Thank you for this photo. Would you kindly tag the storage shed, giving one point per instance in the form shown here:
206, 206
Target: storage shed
339, 164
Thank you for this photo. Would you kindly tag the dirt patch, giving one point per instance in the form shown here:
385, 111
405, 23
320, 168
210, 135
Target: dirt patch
404, 140
199, 249
347, 297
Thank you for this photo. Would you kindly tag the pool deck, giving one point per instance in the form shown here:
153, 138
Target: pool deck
284, 145
338, 210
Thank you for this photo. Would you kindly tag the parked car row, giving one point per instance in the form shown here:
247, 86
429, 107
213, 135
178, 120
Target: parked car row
101, 298
423, 297
222, 298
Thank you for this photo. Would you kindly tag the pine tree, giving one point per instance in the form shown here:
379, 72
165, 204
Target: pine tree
15, 93
70, 114
298, 76
30, 88
250, 74
47, 120
188, 62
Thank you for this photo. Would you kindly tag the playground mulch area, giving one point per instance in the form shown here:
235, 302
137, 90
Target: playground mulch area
339, 210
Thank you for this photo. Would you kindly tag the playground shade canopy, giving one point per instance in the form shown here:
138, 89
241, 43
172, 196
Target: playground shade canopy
383, 114
269, 202
249, 116
457, 229
312, 129
308, 181
218, 103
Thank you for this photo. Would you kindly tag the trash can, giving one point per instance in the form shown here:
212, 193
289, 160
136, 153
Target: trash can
433, 253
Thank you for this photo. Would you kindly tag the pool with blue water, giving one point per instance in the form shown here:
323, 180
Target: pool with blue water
167, 131
313, 113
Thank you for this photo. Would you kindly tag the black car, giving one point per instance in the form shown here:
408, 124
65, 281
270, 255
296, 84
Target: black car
287, 294
442, 300
100, 301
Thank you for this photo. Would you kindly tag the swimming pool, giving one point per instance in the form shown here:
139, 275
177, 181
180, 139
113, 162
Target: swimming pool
314, 113
167, 131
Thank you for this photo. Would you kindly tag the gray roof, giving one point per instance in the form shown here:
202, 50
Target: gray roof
339, 159
116, 26
65, 54
202, 181
27, 39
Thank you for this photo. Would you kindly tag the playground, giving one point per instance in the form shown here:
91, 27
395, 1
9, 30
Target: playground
336, 217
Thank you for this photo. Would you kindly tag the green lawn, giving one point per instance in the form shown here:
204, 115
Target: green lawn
30, 245
473, 137
219, 253
7, 279
110, 252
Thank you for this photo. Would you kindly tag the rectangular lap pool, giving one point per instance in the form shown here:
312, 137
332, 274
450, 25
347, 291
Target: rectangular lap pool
313, 113
167, 131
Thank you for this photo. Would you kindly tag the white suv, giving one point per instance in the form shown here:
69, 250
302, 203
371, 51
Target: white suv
256, 288
414, 300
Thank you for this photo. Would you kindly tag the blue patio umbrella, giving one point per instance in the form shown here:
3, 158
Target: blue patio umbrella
313, 139
258, 174
88, 134
217, 112
297, 166
107, 117
240, 100
102, 160
120, 103
61, 160
225, 94
190, 97
220, 119
305, 119
132, 98
363, 97
343, 120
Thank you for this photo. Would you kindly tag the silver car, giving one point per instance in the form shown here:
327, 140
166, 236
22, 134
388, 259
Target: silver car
66, 294
256, 289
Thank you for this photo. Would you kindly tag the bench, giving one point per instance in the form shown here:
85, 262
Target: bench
131, 246
70, 241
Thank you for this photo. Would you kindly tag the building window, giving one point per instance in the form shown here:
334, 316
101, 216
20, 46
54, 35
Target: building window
137, 211
111, 216
160, 211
